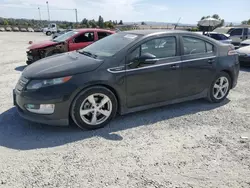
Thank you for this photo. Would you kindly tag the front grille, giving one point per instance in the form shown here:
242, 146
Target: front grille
21, 84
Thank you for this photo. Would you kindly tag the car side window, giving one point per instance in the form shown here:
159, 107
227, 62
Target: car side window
236, 32
245, 31
210, 47
102, 35
161, 48
85, 37
193, 46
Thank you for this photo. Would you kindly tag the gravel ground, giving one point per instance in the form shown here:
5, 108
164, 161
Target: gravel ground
193, 144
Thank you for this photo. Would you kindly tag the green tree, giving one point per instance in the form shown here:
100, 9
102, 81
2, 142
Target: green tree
121, 22
216, 16
231, 24
92, 24
84, 21
143, 23
100, 22
244, 22
5, 22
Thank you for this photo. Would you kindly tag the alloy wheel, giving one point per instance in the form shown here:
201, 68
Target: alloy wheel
220, 88
96, 109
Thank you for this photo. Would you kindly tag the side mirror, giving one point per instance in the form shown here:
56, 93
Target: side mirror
147, 58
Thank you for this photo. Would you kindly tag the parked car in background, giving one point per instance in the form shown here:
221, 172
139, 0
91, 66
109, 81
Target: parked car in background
8, 29
57, 34
244, 55
245, 43
125, 72
23, 30
38, 30
224, 38
15, 29
2, 29
238, 35
70, 41
30, 29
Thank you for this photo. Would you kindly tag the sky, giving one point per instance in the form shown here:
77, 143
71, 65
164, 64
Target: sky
190, 11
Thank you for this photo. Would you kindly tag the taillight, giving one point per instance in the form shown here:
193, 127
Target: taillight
232, 52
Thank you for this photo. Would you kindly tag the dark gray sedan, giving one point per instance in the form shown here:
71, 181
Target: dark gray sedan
123, 73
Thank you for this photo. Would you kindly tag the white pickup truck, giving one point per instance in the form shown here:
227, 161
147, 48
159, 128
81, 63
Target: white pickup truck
51, 29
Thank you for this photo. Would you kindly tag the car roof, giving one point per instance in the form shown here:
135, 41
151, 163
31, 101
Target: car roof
156, 32
92, 29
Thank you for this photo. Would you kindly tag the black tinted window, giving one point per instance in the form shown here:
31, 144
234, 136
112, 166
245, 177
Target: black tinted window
161, 48
193, 46
102, 35
85, 37
246, 31
216, 36
236, 32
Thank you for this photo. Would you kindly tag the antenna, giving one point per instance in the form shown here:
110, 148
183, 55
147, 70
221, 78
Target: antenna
177, 23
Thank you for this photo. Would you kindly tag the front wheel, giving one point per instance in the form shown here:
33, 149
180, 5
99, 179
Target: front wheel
94, 108
219, 88
48, 33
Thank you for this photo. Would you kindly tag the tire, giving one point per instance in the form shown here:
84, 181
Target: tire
48, 33
216, 96
88, 102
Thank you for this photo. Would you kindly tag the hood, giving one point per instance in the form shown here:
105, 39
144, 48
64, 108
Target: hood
42, 45
244, 50
246, 41
60, 65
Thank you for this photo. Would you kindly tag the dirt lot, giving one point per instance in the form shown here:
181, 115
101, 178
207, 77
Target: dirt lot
194, 144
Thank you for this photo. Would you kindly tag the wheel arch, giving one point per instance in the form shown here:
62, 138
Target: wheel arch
230, 75
107, 86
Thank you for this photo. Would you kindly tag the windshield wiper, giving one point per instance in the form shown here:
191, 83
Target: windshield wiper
87, 53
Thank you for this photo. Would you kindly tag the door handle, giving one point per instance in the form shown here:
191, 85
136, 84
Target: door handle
175, 66
210, 61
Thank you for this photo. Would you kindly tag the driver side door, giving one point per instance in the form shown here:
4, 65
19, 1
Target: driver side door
81, 41
156, 80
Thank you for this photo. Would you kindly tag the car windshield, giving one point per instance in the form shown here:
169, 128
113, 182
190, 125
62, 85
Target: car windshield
110, 45
65, 36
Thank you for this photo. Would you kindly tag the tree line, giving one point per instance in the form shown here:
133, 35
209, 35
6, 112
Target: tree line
85, 23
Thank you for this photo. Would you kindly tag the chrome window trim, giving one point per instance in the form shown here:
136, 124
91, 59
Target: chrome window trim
153, 66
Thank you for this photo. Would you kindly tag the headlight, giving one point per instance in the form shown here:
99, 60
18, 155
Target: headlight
36, 84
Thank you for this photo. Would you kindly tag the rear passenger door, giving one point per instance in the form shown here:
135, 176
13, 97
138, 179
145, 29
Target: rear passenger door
198, 65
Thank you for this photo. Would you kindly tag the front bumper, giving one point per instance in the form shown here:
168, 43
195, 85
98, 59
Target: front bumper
60, 117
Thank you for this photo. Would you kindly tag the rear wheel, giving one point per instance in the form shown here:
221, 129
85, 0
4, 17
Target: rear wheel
94, 108
220, 88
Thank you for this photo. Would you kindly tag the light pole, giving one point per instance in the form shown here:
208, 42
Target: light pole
76, 16
40, 17
48, 10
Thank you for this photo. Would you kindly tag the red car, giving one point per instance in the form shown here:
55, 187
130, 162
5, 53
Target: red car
70, 41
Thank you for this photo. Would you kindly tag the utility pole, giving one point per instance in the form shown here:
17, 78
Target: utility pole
48, 10
40, 17
76, 16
